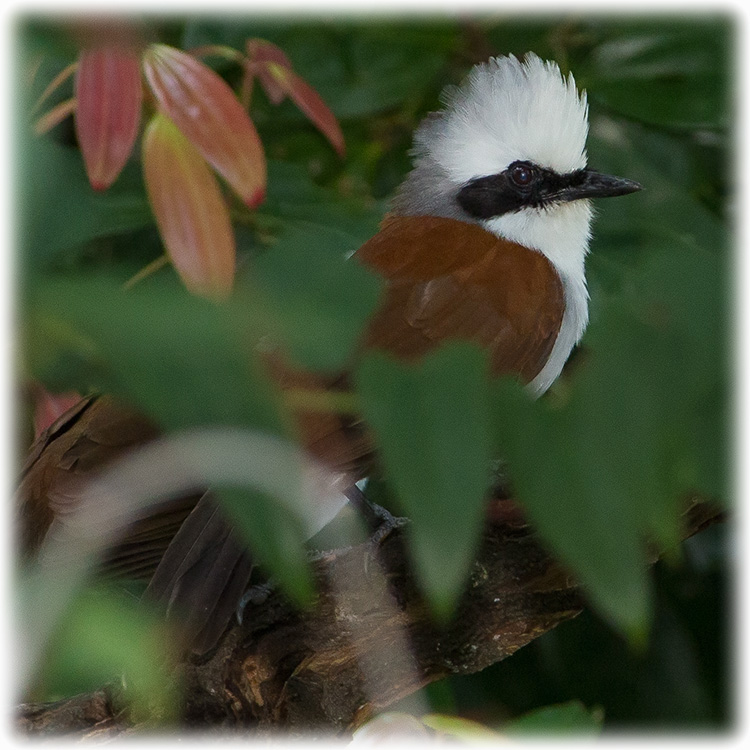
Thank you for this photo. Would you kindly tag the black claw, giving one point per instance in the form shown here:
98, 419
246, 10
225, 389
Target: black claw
255, 596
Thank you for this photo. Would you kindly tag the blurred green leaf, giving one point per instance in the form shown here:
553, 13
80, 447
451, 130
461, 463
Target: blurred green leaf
108, 638
60, 210
277, 540
320, 300
185, 362
432, 424
565, 718
671, 76
560, 468
460, 729
626, 448
182, 360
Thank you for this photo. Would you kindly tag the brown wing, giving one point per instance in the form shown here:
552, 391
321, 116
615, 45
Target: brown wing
185, 549
71, 451
448, 279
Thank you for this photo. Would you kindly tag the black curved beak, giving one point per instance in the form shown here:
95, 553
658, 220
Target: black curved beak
591, 184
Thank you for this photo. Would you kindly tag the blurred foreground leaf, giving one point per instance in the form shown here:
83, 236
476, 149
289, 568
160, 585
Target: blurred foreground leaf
109, 638
276, 538
433, 428
182, 360
625, 451
60, 211
565, 718
320, 300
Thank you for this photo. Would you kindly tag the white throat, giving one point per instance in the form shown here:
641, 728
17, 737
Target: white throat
561, 233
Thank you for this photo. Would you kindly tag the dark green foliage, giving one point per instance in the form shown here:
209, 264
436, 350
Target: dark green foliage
603, 464
432, 424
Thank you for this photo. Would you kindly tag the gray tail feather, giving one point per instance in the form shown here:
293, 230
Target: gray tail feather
202, 575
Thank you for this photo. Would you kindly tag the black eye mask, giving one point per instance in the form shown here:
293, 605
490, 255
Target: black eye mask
524, 185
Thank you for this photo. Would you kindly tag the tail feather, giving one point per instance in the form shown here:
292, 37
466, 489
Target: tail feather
202, 575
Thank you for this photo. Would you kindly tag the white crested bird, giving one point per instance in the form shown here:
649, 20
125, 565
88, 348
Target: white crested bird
486, 241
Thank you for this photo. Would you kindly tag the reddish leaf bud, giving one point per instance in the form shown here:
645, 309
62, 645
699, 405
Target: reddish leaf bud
109, 95
207, 112
310, 102
190, 211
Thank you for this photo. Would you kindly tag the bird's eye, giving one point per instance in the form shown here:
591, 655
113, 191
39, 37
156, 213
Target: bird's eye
521, 175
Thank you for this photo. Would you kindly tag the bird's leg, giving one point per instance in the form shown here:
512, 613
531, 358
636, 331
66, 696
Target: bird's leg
380, 522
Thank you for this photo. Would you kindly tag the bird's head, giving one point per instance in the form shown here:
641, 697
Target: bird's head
509, 152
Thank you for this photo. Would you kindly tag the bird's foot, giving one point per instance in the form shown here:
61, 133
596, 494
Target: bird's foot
254, 597
380, 522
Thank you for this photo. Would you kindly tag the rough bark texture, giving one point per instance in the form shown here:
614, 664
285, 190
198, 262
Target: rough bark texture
368, 642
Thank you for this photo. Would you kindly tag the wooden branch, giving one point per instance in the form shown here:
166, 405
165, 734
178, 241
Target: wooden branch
368, 642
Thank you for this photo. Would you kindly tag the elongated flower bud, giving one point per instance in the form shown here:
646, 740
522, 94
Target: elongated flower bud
109, 95
207, 112
190, 211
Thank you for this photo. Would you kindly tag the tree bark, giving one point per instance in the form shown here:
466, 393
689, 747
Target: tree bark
368, 642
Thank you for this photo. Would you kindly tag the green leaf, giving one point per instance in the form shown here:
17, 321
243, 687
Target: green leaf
60, 210
564, 718
612, 461
460, 729
673, 77
432, 425
275, 537
107, 637
320, 300
559, 464
184, 361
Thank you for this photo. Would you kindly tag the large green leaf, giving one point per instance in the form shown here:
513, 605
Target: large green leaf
556, 464
59, 209
614, 464
432, 424
319, 299
184, 360
275, 536
673, 76
108, 638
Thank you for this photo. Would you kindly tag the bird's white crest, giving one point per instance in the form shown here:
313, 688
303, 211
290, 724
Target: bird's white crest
511, 110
